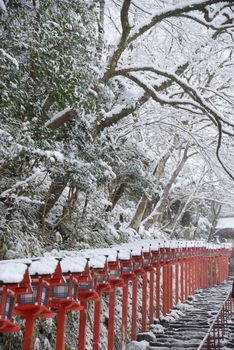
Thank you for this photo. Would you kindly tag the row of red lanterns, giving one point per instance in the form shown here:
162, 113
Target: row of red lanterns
69, 288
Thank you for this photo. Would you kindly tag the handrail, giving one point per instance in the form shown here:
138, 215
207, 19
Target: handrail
211, 335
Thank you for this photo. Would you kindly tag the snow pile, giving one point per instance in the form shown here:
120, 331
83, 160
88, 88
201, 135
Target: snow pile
134, 345
12, 272
225, 223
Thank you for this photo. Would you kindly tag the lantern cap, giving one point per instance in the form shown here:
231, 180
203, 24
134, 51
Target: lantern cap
12, 272
43, 266
73, 264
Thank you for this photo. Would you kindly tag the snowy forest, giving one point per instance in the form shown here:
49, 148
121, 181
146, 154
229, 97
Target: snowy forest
116, 121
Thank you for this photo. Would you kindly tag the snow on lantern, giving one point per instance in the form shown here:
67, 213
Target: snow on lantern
14, 278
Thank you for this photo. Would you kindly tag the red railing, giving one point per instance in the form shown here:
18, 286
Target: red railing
216, 332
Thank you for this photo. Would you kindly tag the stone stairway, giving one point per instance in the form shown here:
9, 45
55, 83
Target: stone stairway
189, 329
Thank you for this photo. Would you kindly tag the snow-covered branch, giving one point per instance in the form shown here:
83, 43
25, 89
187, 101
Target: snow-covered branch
171, 11
61, 118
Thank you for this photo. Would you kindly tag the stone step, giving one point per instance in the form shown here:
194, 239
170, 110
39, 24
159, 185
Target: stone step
187, 331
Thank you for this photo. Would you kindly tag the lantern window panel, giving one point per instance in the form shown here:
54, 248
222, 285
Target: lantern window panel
127, 269
113, 274
101, 278
29, 298
44, 295
136, 264
155, 259
95, 282
9, 306
146, 262
60, 291
74, 290
84, 286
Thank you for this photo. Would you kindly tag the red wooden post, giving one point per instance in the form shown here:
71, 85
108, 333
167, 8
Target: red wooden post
168, 291
182, 281
203, 272
82, 326
144, 302
186, 279
192, 276
124, 316
171, 286
189, 284
134, 307
60, 338
199, 269
28, 333
198, 263
198, 280
96, 328
158, 287
151, 316
176, 283
111, 321
207, 271
195, 273
164, 270
215, 270
211, 271
3, 304
208, 343
192, 281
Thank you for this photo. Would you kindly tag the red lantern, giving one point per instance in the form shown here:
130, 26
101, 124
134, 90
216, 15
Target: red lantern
14, 280
36, 304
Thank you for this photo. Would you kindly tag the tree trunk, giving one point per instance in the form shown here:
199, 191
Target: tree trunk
139, 213
179, 217
117, 194
144, 201
185, 207
161, 205
57, 186
216, 208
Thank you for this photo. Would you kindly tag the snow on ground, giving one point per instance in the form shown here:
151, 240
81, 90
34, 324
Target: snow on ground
225, 223
134, 345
